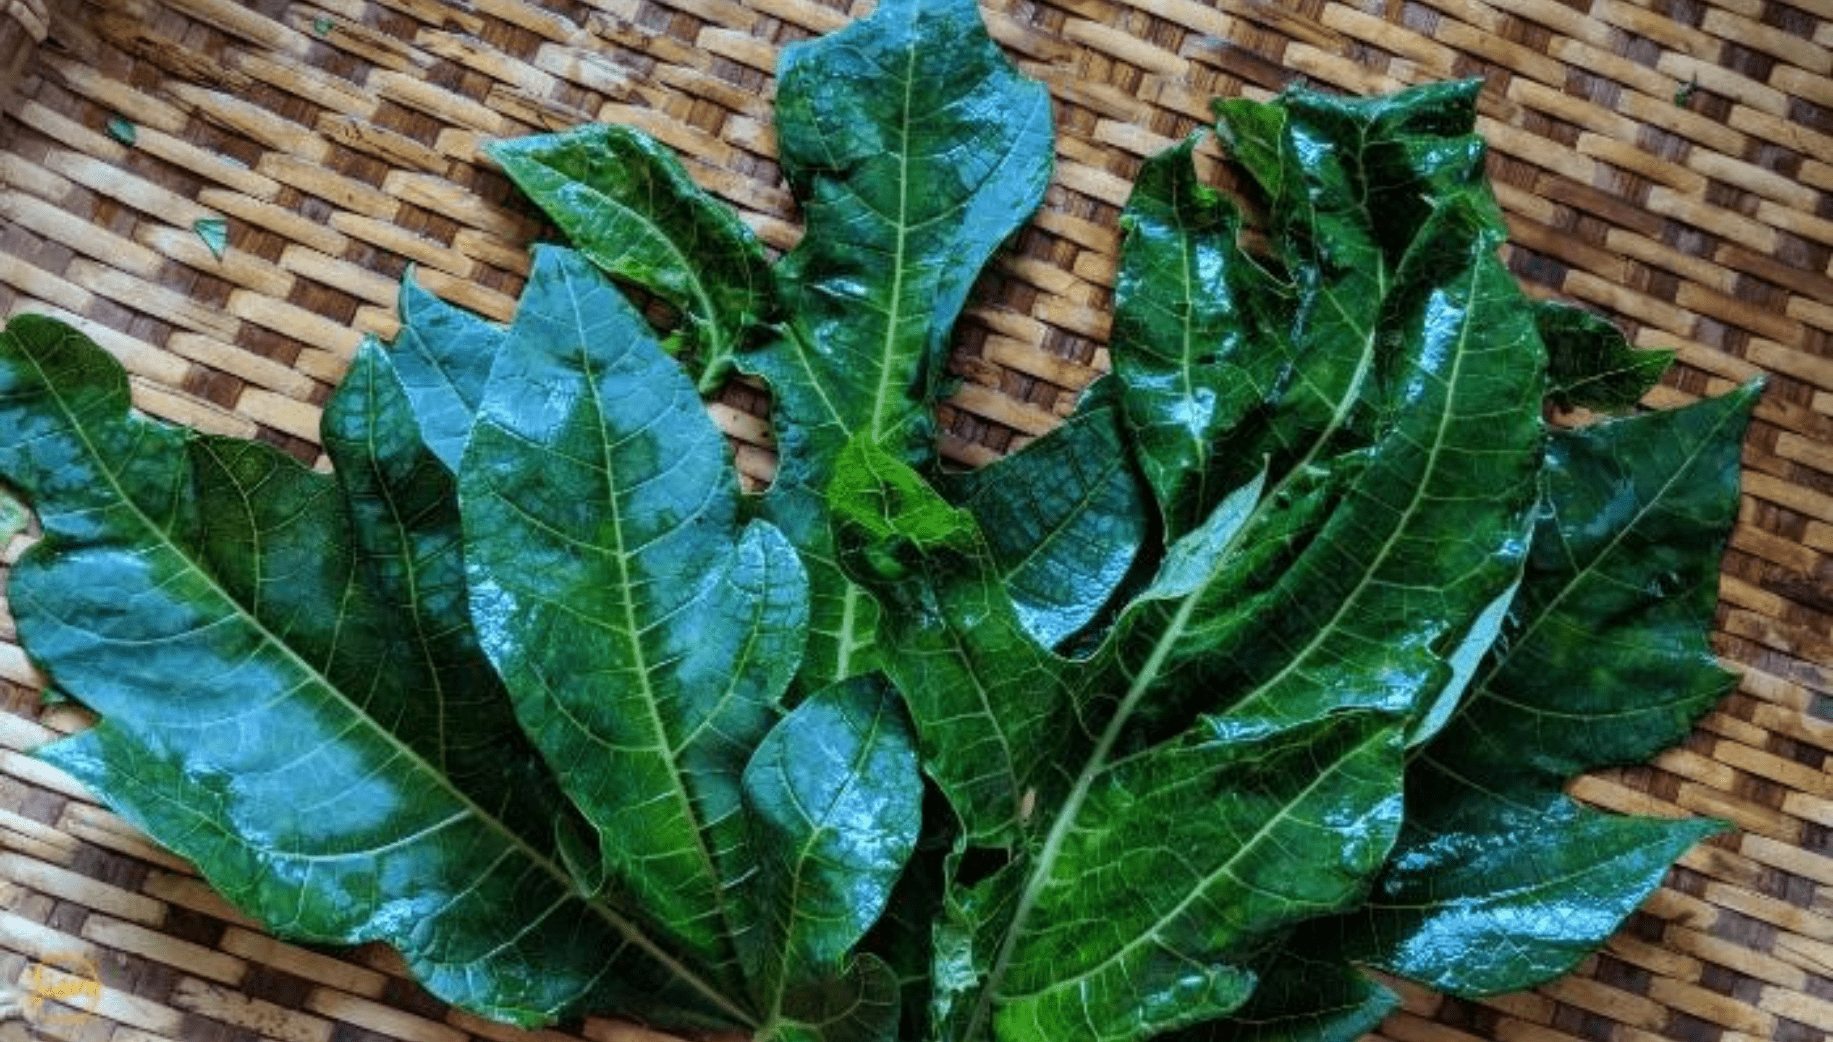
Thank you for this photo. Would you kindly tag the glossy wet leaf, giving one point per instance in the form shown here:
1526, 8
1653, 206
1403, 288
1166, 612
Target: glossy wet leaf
835, 806
993, 709
263, 716
627, 204
1196, 333
637, 623
442, 358
915, 149
1360, 577
1590, 365
1262, 667
1064, 519
1603, 661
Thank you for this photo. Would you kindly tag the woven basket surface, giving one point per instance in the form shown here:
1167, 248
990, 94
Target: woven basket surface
1668, 162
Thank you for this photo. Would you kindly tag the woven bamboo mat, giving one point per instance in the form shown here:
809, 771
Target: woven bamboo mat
1667, 161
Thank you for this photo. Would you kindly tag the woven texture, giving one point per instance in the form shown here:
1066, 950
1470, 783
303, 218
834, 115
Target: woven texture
1669, 162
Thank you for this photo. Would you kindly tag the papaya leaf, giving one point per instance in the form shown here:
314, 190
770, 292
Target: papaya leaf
1197, 342
915, 149
835, 807
1065, 519
627, 204
263, 716
1501, 882
1302, 997
442, 358
1268, 666
638, 625
1590, 365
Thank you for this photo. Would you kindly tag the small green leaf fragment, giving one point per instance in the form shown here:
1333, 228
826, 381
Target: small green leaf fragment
12, 518
122, 130
323, 26
214, 231
1685, 94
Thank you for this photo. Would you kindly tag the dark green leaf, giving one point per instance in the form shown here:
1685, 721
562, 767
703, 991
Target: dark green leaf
641, 629
992, 706
1303, 998
834, 802
861, 1007
915, 149
1197, 341
1219, 842
629, 206
1590, 365
1603, 660
1491, 893
122, 130
404, 527
1326, 599
442, 357
262, 716
1064, 520
1613, 617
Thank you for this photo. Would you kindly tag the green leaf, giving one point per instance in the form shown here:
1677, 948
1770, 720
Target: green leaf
862, 1007
404, 528
1302, 998
1613, 618
1064, 519
530, 690
1328, 595
263, 717
629, 207
122, 130
13, 517
1590, 365
1603, 660
1489, 893
992, 707
1197, 343
1289, 822
638, 625
835, 805
915, 149
214, 231
442, 357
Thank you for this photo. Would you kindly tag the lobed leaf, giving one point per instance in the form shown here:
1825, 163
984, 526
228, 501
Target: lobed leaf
915, 149
1501, 882
1590, 365
262, 717
639, 627
627, 205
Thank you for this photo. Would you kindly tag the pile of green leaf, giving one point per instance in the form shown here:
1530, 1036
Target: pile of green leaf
1267, 666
